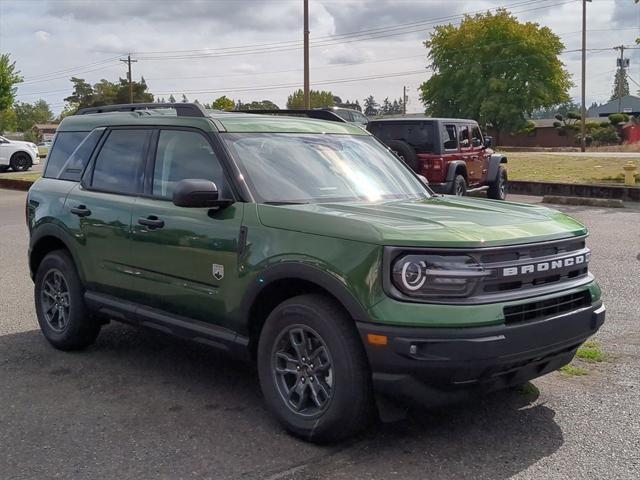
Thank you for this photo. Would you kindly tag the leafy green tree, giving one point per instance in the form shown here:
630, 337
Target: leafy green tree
318, 99
28, 114
494, 69
105, 92
8, 120
256, 105
370, 106
223, 103
620, 84
385, 109
9, 77
82, 95
172, 99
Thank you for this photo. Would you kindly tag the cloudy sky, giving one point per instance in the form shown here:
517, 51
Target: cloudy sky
252, 49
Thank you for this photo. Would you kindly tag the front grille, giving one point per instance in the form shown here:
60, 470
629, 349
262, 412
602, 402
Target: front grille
496, 260
532, 311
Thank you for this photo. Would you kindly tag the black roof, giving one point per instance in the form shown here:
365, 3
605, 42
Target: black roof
421, 119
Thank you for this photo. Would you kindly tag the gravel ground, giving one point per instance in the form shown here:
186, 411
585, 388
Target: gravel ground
141, 405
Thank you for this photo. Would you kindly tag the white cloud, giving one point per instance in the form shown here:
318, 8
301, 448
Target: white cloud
42, 36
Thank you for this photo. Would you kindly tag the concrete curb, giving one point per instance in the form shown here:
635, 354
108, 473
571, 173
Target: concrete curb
582, 190
15, 184
591, 202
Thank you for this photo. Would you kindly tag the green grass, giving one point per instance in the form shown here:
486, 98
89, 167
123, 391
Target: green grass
591, 352
542, 167
31, 176
574, 371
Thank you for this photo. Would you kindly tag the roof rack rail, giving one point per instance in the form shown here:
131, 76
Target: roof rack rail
182, 109
317, 114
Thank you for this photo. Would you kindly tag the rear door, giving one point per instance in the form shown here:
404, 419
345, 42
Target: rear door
101, 206
185, 259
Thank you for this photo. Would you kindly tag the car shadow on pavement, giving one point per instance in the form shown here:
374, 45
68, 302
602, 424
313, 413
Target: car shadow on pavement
139, 404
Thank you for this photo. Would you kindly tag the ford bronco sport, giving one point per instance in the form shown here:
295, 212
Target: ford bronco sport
306, 247
450, 152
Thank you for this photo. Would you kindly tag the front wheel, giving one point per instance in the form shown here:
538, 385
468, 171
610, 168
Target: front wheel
498, 189
20, 162
314, 371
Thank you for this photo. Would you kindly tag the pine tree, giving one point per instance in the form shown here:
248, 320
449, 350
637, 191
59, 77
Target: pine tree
620, 84
172, 99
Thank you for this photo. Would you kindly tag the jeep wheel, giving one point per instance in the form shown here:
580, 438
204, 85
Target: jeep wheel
314, 371
498, 189
4, 168
406, 152
20, 162
60, 308
459, 186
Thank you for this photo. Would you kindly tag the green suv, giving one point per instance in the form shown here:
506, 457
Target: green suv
306, 247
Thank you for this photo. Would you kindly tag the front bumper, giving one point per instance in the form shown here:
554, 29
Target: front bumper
437, 365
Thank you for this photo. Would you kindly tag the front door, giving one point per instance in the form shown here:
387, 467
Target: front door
467, 154
185, 259
479, 156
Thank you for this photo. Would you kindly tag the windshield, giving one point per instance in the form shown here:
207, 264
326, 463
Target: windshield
309, 168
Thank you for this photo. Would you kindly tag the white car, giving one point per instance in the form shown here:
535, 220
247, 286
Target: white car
20, 156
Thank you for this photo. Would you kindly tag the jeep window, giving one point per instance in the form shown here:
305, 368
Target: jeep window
463, 136
183, 154
309, 168
343, 114
118, 167
420, 135
64, 145
359, 118
449, 137
476, 137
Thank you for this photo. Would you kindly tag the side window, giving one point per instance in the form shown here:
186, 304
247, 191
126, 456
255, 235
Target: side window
119, 164
74, 166
183, 154
476, 137
359, 118
449, 137
64, 145
463, 136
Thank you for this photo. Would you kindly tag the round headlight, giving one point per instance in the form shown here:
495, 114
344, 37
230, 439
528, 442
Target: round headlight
412, 275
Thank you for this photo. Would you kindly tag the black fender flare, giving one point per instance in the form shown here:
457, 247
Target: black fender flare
495, 161
301, 271
59, 233
453, 166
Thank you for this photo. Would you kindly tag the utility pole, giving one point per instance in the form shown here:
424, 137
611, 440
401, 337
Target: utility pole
128, 61
583, 113
307, 98
621, 69
404, 100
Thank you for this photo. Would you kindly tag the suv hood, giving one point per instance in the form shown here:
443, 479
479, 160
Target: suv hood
434, 222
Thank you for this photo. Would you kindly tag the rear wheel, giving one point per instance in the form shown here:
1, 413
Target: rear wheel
20, 162
498, 189
62, 315
459, 187
314, 371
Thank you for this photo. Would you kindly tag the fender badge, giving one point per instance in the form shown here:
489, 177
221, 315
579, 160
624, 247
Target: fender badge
218, 271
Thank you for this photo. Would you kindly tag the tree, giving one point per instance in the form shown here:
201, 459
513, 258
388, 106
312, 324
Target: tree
256, 105
223, 103
370, 106
620, 84
105, 92
28, 114
184, 99
9, 77
494, 69
386, 107
318, 99
172, 99
82, 95
8, 120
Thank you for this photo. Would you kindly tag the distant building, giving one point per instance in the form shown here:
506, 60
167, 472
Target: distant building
630, 106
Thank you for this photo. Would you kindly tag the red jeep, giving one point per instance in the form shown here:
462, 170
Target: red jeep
450, 152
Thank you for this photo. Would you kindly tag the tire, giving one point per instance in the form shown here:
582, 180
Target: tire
4, 168
498, 189
20, 162
344, 405
57, 283
459, 186
406, 152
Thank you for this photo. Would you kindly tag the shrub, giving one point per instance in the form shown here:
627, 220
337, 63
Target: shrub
606, 136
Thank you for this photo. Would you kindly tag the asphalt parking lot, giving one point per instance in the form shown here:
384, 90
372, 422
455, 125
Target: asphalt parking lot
140, 405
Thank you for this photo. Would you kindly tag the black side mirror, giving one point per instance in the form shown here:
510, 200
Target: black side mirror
198, 193
488, 141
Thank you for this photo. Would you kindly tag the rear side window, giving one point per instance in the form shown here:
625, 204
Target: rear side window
463, 136
119, 165
183, 154
63, 147
449, 137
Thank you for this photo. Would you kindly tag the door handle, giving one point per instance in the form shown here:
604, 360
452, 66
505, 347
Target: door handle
81, 211
151, 221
